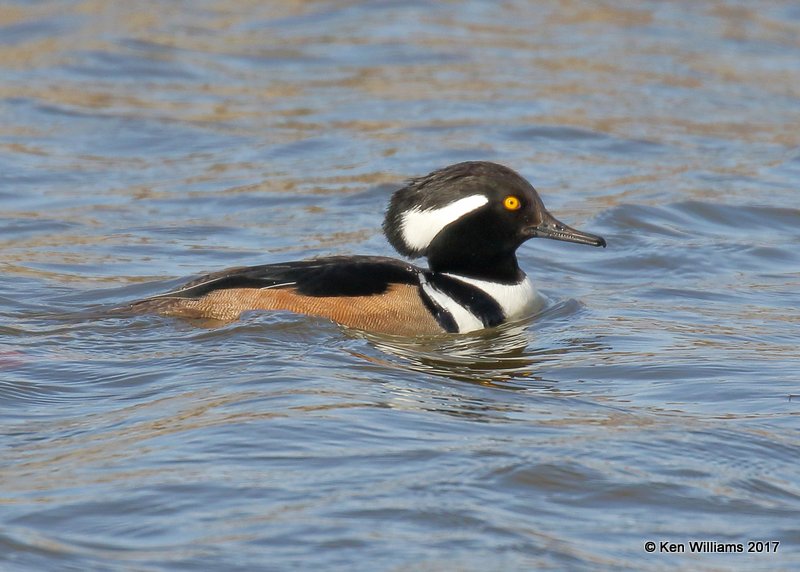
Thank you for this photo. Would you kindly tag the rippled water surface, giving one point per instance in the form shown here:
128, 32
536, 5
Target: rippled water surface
654, 398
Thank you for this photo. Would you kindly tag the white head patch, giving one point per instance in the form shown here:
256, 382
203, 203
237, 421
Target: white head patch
420, 227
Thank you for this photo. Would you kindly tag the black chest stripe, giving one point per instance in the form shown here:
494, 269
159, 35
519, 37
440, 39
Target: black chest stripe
479, 303
445, 318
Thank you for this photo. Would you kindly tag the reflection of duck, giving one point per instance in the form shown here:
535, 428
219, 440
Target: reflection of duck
511, 356
467, 219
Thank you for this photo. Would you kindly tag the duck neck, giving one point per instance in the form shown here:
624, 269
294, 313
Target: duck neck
503, 269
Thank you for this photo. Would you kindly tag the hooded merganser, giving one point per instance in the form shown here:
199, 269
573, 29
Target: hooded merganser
467, 219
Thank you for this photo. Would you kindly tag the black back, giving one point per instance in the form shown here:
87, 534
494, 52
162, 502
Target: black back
331, 276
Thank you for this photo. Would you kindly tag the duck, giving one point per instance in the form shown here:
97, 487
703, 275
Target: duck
467, 219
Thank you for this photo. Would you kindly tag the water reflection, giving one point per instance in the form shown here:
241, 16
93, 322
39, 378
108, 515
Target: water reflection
507, 356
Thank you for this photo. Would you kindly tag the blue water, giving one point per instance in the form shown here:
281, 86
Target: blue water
654, 398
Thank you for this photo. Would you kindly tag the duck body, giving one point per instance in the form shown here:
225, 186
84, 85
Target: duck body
467, 219
377, 294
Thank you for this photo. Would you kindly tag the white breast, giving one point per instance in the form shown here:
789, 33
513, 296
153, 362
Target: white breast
516, 300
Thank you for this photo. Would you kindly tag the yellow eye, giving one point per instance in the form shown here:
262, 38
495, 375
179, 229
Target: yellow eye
512, 203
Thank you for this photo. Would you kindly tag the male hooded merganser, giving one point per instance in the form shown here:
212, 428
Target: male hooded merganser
468, 219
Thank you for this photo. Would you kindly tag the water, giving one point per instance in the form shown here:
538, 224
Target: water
655, 398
